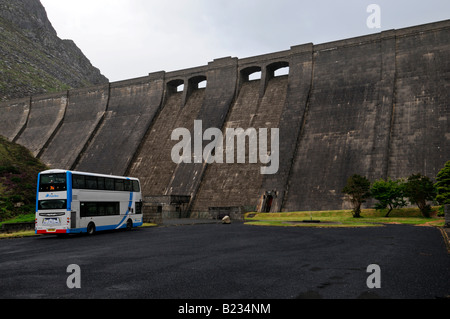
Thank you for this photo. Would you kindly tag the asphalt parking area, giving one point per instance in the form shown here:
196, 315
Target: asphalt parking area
237, 261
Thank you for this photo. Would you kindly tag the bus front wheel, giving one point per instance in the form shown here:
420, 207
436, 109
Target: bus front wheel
129, 225
91, 229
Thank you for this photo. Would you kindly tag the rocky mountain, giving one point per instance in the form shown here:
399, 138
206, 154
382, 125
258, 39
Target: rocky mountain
33, 59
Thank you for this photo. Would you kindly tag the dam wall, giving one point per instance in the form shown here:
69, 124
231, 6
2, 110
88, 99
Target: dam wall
420, 139
220, 90
85, 109
131, 108
346, 127
14, 117
153, 162
375, 105
45, 116
258, 104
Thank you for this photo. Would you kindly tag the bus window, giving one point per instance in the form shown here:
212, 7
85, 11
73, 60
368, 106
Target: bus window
101, 183
53, 183
78, 182
91, 182
119, 185
138, 206
136, 187
88, 210
127, 186
99, 209
109, 184
52, 204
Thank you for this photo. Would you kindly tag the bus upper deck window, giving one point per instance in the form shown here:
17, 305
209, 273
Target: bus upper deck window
136, 187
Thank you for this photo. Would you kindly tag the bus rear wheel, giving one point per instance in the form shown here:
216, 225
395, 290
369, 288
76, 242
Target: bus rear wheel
91, 229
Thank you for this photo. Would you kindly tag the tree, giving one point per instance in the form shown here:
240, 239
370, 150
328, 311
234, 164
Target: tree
443, 185
358, 190
389, 194
420, 189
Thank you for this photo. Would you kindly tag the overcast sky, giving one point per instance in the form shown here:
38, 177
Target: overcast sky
131, 38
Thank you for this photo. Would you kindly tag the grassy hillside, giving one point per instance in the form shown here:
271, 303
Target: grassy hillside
18, 180
22, 73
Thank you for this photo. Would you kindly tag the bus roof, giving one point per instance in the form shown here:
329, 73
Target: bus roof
61, 171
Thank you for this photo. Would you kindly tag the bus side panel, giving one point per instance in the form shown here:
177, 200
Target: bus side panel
75, 215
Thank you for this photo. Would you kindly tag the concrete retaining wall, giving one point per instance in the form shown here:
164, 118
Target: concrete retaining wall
17, 227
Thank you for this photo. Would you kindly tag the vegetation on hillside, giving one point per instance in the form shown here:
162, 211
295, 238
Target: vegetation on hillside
18, 180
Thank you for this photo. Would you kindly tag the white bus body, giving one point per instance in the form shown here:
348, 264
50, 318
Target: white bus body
69, 202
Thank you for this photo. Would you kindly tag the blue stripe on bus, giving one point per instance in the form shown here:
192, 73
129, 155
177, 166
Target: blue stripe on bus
101, 228
37, 192
69, 191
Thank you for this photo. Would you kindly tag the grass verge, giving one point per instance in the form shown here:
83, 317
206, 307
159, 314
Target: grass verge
28, 218
343, 218
23, 234
32, 233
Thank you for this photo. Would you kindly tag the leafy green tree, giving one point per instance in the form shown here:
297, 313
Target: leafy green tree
420, 189
389, 194
443, 185
358, 190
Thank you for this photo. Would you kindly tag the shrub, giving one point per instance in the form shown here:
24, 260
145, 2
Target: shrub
358, 190
420, 189
389, 194
443, 185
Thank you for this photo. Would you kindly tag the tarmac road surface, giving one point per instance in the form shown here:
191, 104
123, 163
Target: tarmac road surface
229, 262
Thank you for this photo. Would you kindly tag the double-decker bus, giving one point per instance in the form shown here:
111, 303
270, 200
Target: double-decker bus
69, 202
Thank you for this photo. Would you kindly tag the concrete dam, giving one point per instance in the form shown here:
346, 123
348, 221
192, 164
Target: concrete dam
375, 105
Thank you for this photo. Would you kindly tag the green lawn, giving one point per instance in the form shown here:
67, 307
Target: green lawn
29, 218
344, 218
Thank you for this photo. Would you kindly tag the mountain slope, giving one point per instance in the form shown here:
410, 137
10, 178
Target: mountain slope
33, 60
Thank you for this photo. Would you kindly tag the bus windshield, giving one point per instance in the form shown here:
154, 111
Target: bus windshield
53, 183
